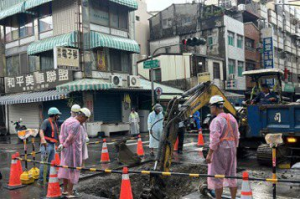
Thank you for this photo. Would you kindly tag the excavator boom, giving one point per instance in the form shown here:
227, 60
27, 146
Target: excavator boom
198, 97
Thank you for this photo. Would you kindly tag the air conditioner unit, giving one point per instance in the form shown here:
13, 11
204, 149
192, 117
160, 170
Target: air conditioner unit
116, 80
231, 76
134, 81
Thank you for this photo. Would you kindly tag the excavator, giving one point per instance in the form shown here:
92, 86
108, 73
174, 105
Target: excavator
255, 121
194, 99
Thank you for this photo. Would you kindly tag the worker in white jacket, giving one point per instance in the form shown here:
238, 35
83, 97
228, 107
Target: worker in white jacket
155, 127
134, 121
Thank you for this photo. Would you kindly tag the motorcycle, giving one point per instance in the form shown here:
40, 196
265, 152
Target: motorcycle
18, 126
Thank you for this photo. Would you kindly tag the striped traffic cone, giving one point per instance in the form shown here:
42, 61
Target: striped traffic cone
176, 145
19, 165
14, 176
126, 192
200, 138
104, 153
53, 184
246, 192
140, 150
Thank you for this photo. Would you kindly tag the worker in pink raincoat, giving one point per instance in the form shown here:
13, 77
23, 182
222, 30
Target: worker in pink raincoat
224, 140
72, 142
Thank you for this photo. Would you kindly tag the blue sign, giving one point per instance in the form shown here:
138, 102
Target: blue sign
268, 52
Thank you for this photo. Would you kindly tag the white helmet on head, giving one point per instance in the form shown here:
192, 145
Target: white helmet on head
216, 100
86, 112
75, 108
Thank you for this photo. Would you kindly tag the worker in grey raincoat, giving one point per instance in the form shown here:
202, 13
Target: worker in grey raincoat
155, 127
134, 121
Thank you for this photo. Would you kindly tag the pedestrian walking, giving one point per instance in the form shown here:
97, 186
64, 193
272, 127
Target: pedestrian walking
196, 117
75, 109
155, 127
224, 140
72, 141
134, 121
49, 137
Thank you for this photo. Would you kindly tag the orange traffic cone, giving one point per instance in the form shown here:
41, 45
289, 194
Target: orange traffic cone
126, 192
140, 150
56, 158
104, 153
53, 184
200, 138
14, 177
246, 192
19, 165
176, 145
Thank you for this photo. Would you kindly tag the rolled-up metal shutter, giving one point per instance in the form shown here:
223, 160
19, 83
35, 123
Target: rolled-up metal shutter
107, 108
28, 112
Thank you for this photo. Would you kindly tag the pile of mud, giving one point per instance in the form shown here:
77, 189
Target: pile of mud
108, 186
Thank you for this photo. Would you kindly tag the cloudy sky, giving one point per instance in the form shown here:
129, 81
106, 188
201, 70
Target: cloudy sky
155, 5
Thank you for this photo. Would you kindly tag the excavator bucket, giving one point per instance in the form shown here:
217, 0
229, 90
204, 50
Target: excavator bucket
125, 156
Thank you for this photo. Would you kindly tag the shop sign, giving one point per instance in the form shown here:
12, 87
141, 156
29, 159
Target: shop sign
268, 48
66, 58
37, 81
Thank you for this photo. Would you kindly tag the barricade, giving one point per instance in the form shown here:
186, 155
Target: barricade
145, 172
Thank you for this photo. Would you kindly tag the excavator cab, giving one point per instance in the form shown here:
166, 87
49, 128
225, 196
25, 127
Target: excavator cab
271, 77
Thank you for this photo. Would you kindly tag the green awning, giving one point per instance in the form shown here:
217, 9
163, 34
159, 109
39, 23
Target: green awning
34, 3
104, 40
129, 3
16, 9
67, 40
85, 85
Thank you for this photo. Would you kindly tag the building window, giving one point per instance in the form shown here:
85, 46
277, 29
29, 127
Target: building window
250, 66
137, 18
157, 75
119, 17
13, 66
186, 21
167, 23
240, 41
230, 38
47, 61
240, 68
216, 70
26, 26
249, 44
45, 18
119, 61
99, 12
12, 29
231, 64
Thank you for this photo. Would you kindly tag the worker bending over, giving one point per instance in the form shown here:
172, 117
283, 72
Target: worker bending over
224, 140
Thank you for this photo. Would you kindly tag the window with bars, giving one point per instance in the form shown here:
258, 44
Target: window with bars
249, 44
231, 64
230, 38
216, 70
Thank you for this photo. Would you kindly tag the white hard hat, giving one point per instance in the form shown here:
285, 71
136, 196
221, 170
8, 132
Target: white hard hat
86, 112
216, 100
75, 108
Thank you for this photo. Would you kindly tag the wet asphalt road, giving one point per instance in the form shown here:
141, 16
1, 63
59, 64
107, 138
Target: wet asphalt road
192, 154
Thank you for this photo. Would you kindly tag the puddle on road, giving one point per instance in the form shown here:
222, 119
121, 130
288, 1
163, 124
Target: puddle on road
109, 186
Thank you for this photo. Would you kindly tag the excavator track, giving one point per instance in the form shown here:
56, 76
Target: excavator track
264, 154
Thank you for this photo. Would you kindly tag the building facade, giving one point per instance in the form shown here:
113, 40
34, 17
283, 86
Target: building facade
58, 53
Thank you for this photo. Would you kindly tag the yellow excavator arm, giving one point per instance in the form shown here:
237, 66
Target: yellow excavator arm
194, 99
200, 97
